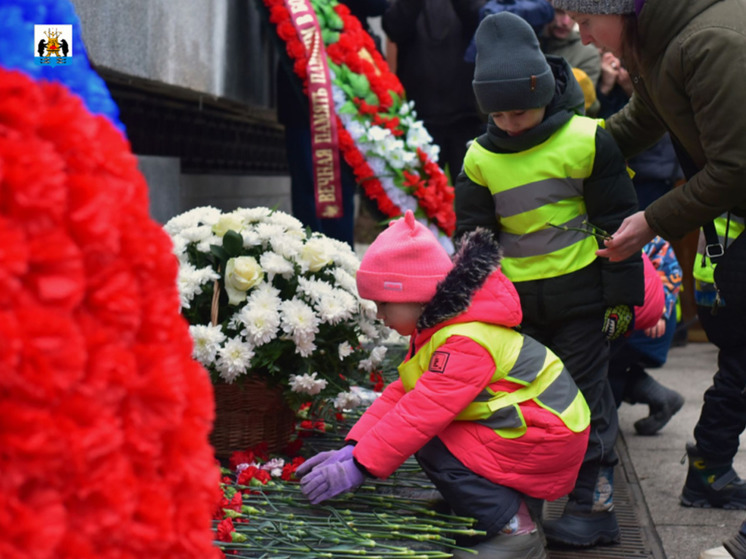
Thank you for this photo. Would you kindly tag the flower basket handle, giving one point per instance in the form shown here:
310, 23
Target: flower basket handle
214, 306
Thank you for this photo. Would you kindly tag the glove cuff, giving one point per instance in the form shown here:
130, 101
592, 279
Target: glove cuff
362, 468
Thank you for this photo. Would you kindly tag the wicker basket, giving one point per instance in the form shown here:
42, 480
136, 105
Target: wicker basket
248, 413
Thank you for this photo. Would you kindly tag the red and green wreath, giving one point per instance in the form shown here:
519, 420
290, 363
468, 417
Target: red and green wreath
389, 150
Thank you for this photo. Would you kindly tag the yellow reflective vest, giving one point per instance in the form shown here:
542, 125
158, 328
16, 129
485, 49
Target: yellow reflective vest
534, 188
519, 359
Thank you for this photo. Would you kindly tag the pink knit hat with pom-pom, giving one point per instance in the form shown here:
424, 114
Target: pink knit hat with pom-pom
403, 265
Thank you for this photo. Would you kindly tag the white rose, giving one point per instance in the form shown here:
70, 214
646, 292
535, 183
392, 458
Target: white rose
315, 254
241, 274
226, 223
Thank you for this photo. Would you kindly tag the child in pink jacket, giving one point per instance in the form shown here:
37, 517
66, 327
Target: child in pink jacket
491, 415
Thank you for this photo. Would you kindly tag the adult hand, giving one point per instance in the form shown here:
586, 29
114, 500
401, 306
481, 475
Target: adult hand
633, 234
329, 480
610, 67
328, 457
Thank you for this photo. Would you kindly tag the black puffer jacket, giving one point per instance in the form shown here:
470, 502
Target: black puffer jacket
609, 197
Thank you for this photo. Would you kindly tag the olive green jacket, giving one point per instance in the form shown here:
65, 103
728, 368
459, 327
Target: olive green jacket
691, 80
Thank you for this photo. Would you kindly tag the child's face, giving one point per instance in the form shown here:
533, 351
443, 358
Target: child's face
402, 317
603, 30
515, 123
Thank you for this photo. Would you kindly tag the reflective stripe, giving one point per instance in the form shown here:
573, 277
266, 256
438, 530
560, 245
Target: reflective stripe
537, 194
543, 241
519, 359
537, 186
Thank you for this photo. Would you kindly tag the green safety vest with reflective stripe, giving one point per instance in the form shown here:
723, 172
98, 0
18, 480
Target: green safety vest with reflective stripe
519, 359
541, 185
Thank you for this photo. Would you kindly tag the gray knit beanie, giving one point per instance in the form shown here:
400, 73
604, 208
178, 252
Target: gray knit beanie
511, 72
596, 6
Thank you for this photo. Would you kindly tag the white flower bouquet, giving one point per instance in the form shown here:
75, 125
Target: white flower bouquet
265, 297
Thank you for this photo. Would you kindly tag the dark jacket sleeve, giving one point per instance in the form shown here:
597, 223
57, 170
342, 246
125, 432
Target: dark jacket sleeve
609, 198
474, 207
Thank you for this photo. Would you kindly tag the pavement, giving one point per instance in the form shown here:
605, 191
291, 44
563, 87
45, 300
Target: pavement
683, 533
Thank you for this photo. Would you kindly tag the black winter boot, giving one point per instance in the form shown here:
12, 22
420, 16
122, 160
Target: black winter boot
588, 525
663, 403
580, 529
711, 485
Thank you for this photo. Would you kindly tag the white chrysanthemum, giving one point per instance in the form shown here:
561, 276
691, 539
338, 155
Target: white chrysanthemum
197, 234
234, 359
336, 307
287, 246
344, 280
374, 360
265, 296
369, 310
260, 324
314, 289
291, 224
190, 282
191, 218
347, 259
206, 340
378, 354
204, 245
252, 239
366, 365
179, 249
346, 401
253, 215
273, 264
345, 350
304, 344
268, 231
298, 318
307, 384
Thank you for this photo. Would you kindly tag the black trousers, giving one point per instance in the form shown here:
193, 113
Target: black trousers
468, 494
584, 350
723, 415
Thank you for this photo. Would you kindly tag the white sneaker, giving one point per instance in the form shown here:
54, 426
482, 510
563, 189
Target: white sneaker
716, 553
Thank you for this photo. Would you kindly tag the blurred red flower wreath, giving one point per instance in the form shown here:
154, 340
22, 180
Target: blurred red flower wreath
105, 416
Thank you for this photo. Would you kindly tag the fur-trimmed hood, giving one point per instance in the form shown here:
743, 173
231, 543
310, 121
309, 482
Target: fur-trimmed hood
475, 290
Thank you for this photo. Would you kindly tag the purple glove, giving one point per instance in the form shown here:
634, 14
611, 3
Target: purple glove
328, 457
331, 479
